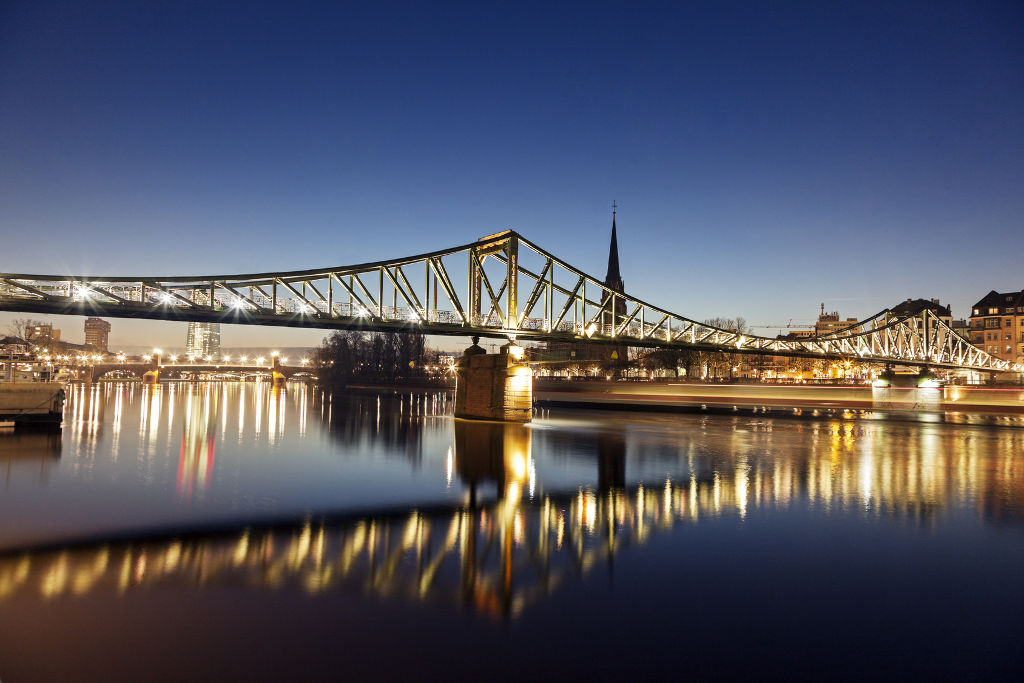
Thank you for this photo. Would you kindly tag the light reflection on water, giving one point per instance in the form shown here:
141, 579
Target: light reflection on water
241, 490
494, 559
215, 452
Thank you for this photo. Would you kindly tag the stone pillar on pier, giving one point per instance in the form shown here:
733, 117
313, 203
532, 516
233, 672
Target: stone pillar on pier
152, 376
494, 386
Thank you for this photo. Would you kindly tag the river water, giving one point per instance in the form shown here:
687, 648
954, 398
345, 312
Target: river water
234, 531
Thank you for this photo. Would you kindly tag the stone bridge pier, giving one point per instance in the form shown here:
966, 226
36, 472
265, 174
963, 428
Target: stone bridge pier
277, 377
152, 376
496, 386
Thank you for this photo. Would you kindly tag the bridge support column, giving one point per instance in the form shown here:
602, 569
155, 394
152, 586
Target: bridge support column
906, 391
276, 378
494, 386
152, 376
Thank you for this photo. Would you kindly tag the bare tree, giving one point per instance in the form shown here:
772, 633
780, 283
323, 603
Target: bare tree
19, 327
720, 363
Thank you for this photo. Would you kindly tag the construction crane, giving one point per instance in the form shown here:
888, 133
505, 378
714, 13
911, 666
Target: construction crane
788, 325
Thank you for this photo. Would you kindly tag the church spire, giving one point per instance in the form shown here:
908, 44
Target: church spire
613, 278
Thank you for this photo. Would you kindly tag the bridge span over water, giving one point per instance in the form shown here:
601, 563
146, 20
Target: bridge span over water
157, 366
500, 286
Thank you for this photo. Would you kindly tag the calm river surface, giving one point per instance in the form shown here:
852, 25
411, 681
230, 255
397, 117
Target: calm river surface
234, 531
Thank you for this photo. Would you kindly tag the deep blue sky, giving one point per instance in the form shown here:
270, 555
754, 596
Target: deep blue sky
766, 156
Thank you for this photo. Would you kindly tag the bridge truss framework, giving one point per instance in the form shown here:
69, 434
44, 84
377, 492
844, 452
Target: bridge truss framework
499, 286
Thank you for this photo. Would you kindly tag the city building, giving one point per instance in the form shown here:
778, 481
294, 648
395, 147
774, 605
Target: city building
11, 347
997, 325
97, 334
962, 328
202, 340
829, 323
42, 335
916, 307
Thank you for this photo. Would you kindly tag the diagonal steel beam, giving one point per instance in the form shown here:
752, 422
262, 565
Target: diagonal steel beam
294, 291
538, 288
568, 304
30, 289
627, 321
401, 290
102, 290
446, 284
240, 296
171, 293
355, 296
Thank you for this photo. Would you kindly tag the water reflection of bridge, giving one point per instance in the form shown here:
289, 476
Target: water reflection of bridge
498, 557
495, 559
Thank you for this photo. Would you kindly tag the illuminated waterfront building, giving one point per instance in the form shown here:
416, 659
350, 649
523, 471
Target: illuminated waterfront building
997, 325
40, 335
203, 340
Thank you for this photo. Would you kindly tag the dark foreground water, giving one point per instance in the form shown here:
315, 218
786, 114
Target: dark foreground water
235, 532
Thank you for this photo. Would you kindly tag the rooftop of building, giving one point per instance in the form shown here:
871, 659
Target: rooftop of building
912, 306
1000, 300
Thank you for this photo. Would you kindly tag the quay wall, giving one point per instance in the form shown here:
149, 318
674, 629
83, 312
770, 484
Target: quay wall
25, 403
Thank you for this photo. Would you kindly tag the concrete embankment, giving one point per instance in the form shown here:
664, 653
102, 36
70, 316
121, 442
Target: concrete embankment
38, 404
695, 396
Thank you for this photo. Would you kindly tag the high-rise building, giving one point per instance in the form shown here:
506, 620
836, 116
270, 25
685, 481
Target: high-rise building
997, 325
97, 334
202, 340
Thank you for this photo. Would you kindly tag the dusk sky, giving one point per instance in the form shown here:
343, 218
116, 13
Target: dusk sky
766, 157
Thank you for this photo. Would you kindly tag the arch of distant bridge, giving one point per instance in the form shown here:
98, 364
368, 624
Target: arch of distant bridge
99, 370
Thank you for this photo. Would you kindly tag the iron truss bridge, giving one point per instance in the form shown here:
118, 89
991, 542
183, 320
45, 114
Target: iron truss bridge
499, 286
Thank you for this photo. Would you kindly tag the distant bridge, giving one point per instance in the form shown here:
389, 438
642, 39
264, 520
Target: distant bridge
499, 286
97, 370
